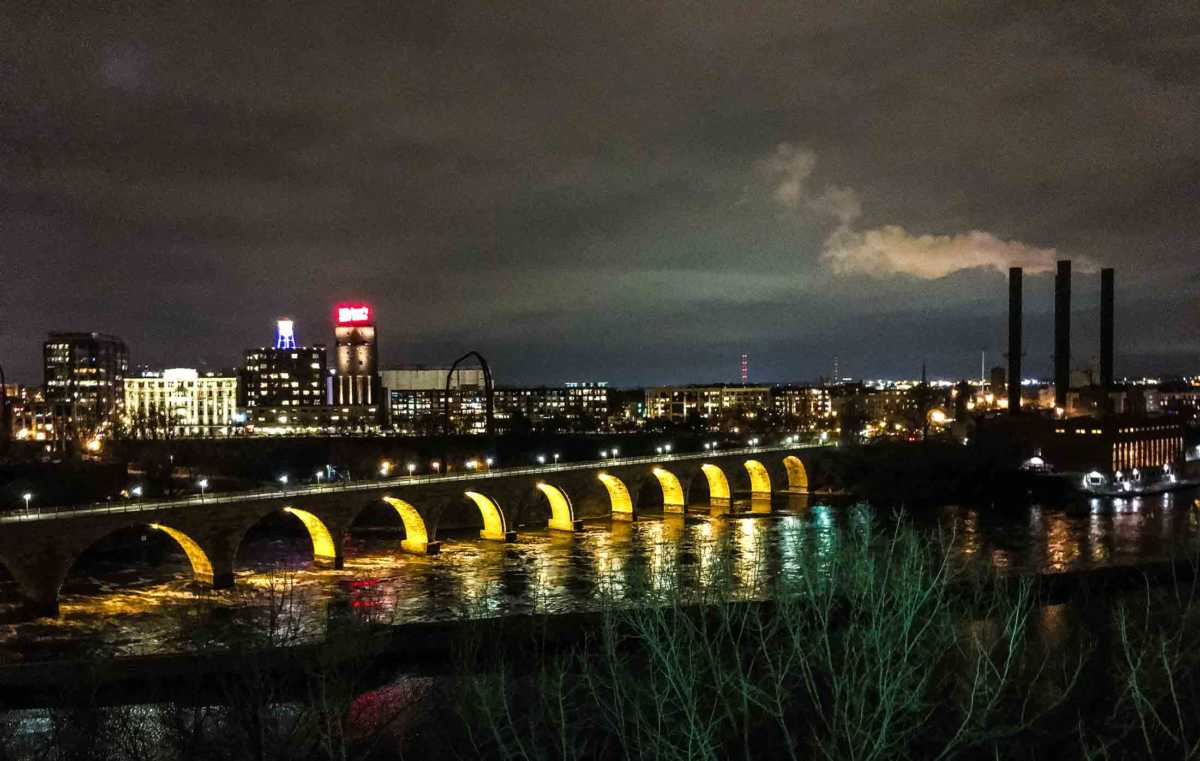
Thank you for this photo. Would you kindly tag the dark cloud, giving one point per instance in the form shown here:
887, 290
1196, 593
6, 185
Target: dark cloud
578, 189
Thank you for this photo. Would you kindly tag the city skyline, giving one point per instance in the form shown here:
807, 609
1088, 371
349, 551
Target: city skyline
790, 186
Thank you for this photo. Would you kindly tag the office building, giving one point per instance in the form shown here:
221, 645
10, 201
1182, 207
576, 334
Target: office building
179, 403
718, 407
284, 375
83, 381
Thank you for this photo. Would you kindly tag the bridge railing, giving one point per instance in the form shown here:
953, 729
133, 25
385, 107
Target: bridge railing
132, 505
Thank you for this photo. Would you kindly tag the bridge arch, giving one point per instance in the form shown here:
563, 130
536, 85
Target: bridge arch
562, 513
618, 495
494, 524
718, 484
674, 499
416, 533
325, 549
41, 587
797, 474
202, 569
760, 480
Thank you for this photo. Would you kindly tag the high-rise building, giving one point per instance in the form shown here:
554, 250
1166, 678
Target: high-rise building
180, 403
356, 380
285, 375
84, 377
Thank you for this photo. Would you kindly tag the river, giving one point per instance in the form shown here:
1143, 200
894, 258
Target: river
114, 604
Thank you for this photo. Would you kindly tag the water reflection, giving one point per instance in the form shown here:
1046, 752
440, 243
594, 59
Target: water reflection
279, 596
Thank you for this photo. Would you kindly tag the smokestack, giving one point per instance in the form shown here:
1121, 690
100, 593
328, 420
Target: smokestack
1062, 333
1106, 328
1014, 340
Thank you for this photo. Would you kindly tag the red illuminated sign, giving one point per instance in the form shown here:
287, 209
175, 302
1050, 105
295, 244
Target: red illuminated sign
353, 314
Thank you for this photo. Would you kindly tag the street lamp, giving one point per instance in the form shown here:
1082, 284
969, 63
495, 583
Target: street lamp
385, 467
556, 458
26, 496
471, 464
615, 451
283, 479
603, 453
437, 466
411, 467
541, 459
203, 484
318, 475
136, 491
658, 450
489, 462
667, 447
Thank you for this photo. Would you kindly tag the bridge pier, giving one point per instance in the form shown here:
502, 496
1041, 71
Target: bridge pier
38, 607
420, 548
330, 557
498, 536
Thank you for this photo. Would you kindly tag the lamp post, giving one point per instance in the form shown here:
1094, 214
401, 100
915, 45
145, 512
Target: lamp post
541, 459
26, 496
489, 462
318, 475
615, 451
437, 466
556, 458
203, 484
283, 480
411, 467
136, 491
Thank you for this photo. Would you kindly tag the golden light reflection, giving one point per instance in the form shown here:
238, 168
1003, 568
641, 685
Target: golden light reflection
1062, 544
416, 538
324, 548
494, 526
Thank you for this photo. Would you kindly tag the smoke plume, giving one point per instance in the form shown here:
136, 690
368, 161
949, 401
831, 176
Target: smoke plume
888, 250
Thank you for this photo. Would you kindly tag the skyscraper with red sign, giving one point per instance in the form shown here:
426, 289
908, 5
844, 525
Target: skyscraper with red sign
356, 378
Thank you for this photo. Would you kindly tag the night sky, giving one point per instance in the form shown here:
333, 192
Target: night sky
601, 191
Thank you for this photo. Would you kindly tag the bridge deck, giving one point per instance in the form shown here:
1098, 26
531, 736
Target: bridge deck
133, 506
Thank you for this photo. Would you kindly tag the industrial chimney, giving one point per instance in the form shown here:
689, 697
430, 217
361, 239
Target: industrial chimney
1014, 340
1106, 328
1062, 333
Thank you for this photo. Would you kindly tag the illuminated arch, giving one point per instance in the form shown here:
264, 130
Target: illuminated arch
718, 484
562, 516
494, 526
618, 495
416, 536
760, 482
201, 566
673, 499
797, 474
324, 548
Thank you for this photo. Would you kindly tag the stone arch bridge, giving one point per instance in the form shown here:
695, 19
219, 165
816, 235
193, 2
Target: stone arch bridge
40, 548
